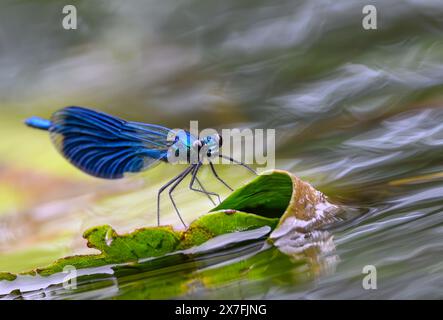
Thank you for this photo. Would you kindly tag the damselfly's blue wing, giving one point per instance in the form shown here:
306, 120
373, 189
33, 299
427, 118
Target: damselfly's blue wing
105, 146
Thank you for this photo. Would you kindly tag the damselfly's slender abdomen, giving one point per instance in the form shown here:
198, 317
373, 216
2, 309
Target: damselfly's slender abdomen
38, 123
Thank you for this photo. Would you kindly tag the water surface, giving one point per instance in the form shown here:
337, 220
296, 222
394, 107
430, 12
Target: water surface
357, 113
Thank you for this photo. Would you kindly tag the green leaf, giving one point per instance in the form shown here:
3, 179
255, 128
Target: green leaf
268, 200
7, 276
267, 195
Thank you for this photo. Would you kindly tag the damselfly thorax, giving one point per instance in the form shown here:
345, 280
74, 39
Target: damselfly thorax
192, 150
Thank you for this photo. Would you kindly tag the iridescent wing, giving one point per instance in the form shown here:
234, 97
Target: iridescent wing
105, 146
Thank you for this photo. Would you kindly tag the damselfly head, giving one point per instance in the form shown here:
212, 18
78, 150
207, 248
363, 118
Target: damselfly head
210, 145
212, 140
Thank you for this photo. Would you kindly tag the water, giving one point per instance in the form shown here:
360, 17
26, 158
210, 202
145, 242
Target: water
357, 114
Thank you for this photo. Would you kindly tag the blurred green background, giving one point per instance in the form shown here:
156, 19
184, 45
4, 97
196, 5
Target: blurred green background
358, 113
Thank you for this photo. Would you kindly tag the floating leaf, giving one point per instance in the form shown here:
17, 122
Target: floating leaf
273, 199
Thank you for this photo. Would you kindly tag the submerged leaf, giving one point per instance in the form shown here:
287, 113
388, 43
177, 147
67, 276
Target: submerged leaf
273, 199
7, 276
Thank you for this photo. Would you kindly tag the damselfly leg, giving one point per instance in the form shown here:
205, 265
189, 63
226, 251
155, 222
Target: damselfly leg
218, 178
194, 178
204, 191
237, 162
193, 170
183, 176
175, 182
184, 173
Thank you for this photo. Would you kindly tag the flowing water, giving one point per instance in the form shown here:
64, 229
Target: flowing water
357, 113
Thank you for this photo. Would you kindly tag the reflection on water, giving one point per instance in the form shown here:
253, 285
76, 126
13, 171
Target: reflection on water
240, 265
357, 113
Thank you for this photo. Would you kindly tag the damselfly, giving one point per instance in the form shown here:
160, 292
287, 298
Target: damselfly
108, 147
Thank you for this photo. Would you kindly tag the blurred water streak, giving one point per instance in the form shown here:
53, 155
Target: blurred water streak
358, 113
